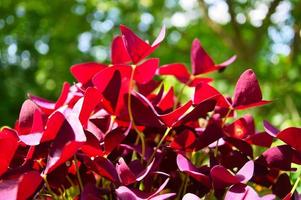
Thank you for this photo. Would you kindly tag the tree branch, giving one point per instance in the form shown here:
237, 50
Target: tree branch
261, 32
214, 26
237, 34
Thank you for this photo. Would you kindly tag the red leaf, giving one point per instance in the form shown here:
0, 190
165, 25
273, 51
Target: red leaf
146, 89
171, 118
63, 97
53, 126
291, 136
176, 69
201, 62
136, 47
205, 92
8, 147
167, 102
146, 71
92, 146
92, 98
84, 72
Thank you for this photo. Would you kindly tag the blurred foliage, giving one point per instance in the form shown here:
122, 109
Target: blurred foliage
40, 40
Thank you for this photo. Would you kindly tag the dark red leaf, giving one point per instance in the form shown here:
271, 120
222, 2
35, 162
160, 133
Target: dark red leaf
247, 92
201, 62
69, 139
211, 134
114, 138
279, 157
283, 186
243, 146
183, 140
222, 178
171, 118
199, 111
143, 112
21, 187
105, 168
126, 176
260, 139
119, 54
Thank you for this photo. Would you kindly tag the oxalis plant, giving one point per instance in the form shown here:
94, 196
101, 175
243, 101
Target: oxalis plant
118, 133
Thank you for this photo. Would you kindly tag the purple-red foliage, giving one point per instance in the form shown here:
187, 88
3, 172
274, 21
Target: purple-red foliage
119, 134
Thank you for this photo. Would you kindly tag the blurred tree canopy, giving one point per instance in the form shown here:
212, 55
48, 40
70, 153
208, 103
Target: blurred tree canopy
40, 40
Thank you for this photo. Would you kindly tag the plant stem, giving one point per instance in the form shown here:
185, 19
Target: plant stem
225, 118
140, 134
181, 93
48, 186
185, 185
78, 174
295, 185
159, 144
